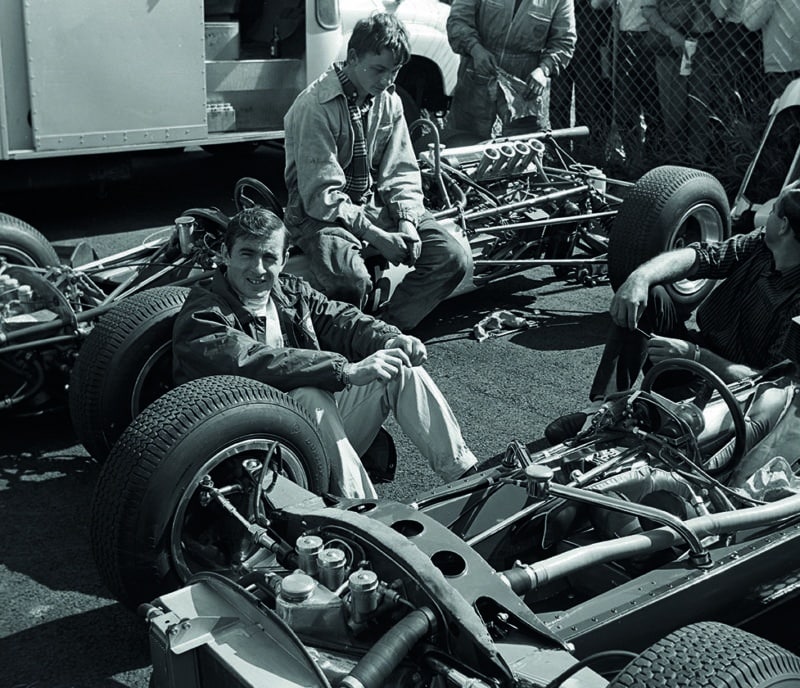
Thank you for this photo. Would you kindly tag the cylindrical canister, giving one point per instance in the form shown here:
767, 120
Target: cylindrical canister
296, 587
308, 547
364, 594
330, 565
25, 295
184, 225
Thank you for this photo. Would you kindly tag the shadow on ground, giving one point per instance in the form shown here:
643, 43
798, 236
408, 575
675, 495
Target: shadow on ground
61, 646
46, 483
524, 294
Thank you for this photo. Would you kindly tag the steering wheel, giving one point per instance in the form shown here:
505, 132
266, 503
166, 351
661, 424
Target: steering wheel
711, 382
250, 192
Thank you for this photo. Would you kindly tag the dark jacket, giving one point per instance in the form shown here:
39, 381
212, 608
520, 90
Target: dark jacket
215, 335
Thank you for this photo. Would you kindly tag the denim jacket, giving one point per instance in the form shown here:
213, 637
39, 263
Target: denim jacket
319, 147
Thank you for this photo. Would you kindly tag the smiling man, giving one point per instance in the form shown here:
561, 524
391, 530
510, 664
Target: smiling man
353, 180
346, 368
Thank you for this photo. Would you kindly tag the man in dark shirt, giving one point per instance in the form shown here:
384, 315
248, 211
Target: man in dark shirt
741, 325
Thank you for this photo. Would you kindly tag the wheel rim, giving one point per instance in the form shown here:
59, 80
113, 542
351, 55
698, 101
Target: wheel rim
17, 256
701, 222
206, 537
150, 382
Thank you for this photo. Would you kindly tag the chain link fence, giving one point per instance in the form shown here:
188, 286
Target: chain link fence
642, 112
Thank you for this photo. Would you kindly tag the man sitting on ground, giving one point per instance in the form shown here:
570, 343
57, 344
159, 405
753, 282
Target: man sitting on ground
346, 368
741, 324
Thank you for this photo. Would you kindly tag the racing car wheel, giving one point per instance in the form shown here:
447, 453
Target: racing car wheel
711, 383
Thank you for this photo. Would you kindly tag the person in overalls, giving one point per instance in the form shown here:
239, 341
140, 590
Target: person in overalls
505, 43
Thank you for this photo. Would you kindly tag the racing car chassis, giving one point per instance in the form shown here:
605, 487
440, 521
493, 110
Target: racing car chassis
520, 575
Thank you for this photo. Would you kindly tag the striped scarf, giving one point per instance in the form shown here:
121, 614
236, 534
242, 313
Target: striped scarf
357, 177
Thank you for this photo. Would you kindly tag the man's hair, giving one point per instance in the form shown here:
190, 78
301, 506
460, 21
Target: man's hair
256, 222
378, 32
788, 206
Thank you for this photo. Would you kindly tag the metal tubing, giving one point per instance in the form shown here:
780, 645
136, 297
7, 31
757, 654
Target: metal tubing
488, 161
545, 223
566, 133
579, 481
610, 180
120, 289
524, 154
528, 202
109, 261
624, 506
568, 563
506, 163
534, 262
475, 151
51, 326
36, 344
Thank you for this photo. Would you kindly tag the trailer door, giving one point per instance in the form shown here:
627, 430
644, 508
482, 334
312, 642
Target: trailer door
110, 73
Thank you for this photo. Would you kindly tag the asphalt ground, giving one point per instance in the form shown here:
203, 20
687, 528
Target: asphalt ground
58, 625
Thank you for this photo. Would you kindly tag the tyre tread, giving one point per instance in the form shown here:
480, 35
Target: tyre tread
133, 467
709, 654
630, 242
41, 248
88, 402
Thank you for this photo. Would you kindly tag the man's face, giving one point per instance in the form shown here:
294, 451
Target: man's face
774, 225
372, 73
254, 264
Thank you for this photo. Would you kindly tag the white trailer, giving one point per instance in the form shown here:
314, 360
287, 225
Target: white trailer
94, 77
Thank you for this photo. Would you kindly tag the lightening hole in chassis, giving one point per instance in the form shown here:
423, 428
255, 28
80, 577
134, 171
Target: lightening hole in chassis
408, 528
449, 563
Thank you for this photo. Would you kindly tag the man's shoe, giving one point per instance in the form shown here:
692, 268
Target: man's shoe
565, 427
472, 470
380, 459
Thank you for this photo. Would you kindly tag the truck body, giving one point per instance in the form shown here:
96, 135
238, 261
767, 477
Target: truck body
105, 78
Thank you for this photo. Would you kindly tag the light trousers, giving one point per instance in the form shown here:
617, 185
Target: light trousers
349, 420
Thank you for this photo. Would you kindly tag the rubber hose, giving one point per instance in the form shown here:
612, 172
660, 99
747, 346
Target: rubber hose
518, 580
385, 655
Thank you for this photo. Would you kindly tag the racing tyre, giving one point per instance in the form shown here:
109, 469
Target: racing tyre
669, 207
711, 654
153, 521
124, 364
21, 244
